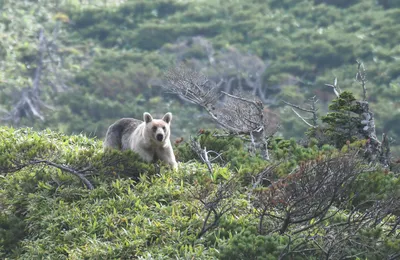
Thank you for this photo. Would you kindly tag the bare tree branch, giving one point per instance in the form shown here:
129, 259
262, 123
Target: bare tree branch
87, 183
335, 87
238, 114
203, 154
302, 118
361, 77
313, 101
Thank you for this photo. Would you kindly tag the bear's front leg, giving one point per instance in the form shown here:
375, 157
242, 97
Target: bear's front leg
166, 154
146, 155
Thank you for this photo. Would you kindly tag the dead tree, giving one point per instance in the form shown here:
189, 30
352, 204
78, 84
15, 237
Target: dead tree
243, 70
240, 114
376, 149
30, 102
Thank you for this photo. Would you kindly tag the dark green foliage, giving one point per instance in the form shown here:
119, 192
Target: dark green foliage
379, 184
112, 58
249, 245
139, 210
343, 123
47, 155
56, 217
12, 230
100, 24
112, 55
337, 3
234, 153
389, 3
289, 153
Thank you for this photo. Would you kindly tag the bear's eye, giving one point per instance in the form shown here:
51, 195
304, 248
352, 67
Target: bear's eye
154, 128
163, 128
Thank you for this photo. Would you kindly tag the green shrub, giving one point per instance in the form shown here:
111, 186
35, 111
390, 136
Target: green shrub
248, 245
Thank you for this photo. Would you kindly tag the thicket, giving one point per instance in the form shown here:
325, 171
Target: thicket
107, 61
244, 191
62, 197
335, 195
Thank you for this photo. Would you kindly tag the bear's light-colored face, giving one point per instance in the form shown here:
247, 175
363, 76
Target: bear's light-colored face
158, 129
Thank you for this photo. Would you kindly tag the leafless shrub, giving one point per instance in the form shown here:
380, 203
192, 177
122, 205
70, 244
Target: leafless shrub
241, 72
336, 240
386, 211
309, 193
239, 114
325, 209
215, 201
351, 234
193, 86
243, 114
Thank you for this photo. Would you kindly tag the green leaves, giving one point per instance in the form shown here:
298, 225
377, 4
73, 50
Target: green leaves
138, 210
134, 210
123, 48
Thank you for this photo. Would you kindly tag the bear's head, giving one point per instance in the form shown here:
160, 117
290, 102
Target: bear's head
158, 129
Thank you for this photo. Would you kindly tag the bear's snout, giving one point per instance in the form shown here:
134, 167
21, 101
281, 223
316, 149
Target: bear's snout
159, 137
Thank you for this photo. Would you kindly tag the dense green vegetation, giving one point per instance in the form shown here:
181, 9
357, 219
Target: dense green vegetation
134, 209
112, 56
62, 197
329, 190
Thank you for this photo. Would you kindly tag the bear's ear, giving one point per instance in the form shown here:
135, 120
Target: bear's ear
147, 117
167, 117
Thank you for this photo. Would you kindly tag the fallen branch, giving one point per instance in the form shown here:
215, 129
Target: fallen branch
67, 169
79, 174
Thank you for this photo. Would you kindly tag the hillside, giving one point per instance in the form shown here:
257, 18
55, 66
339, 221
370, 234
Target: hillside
285, 127
108, 60
62, 198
